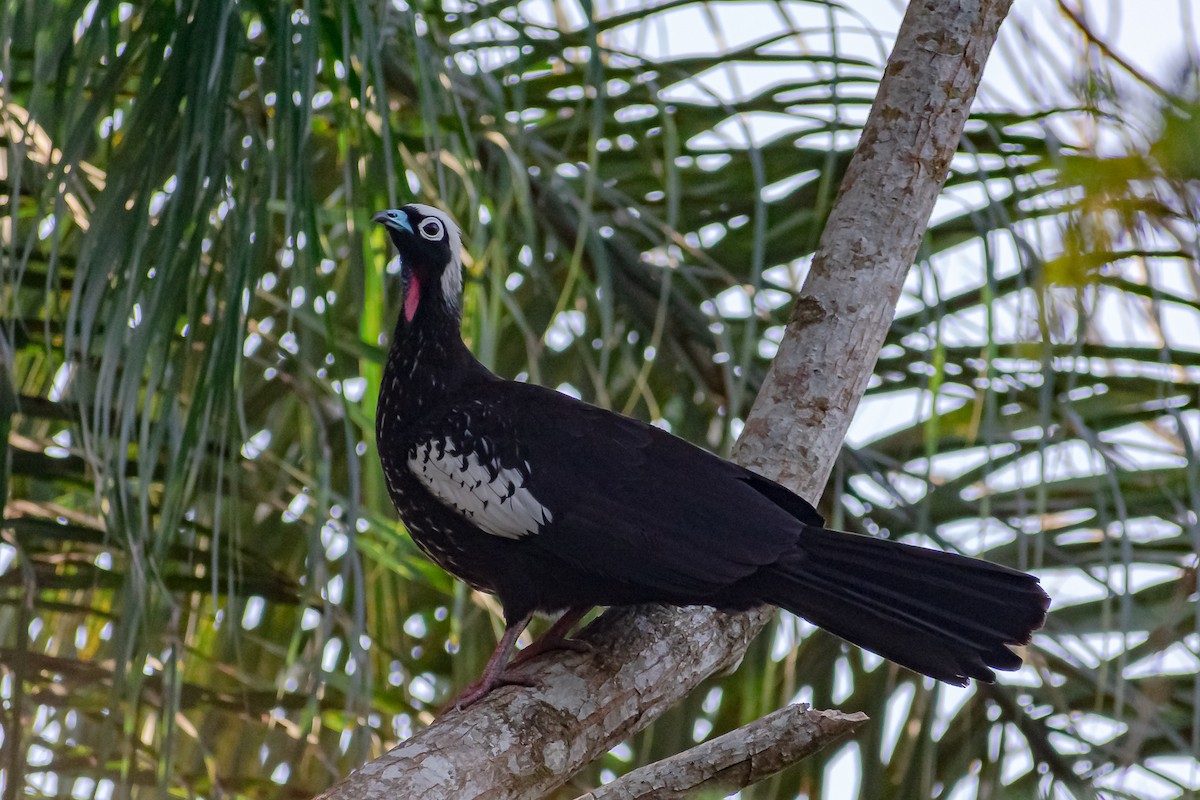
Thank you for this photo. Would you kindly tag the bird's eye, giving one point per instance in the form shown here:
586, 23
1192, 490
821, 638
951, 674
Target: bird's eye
431, 229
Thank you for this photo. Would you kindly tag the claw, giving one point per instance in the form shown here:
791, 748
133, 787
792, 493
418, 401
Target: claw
498, 671
556, 638
481, 689
548, 644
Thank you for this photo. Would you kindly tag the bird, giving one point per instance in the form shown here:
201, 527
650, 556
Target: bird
554, 505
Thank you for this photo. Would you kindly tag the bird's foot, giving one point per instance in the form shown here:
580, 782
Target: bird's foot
548, 644
480, 689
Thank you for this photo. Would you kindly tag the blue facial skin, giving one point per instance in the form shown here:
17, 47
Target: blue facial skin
394, 218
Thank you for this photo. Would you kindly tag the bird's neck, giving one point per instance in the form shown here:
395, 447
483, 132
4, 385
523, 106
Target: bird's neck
427, 361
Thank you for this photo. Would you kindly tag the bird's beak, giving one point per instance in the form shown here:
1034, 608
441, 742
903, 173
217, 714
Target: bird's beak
393, 218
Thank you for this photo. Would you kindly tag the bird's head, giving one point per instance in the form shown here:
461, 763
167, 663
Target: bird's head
430, 247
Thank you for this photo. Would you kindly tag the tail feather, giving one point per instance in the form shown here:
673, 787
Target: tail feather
890, 604
913, 579
940, 614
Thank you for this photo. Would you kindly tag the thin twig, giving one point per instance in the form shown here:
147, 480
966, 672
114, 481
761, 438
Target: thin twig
1104, 47
736, 760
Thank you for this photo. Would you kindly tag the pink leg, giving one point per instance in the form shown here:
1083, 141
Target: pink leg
493, 673
555, 638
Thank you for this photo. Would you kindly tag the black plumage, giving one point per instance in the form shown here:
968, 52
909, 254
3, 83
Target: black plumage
550, 503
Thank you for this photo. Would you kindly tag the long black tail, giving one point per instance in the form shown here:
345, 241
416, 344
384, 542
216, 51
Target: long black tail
943, 615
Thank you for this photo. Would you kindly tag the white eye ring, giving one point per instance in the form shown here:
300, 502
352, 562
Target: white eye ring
431, 229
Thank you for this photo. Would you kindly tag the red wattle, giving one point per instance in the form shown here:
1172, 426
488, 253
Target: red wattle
411, 297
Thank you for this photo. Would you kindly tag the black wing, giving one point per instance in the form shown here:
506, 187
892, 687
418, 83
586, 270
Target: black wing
622, 499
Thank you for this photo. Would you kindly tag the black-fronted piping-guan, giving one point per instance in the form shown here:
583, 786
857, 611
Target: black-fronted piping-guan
553, 504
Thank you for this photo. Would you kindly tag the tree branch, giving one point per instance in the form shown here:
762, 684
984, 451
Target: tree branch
522, 743
736, 760
877, 222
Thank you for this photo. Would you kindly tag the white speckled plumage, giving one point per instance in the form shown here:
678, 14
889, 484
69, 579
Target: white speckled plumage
494, 498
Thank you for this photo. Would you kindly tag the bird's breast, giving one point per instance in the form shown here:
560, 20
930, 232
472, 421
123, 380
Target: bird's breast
440, 533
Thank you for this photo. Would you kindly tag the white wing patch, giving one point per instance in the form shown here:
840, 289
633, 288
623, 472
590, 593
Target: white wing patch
494, 499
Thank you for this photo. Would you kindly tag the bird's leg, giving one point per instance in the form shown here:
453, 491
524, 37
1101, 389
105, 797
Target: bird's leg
555, 638
493, 672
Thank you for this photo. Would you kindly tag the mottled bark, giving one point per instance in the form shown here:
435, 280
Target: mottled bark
521, 743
